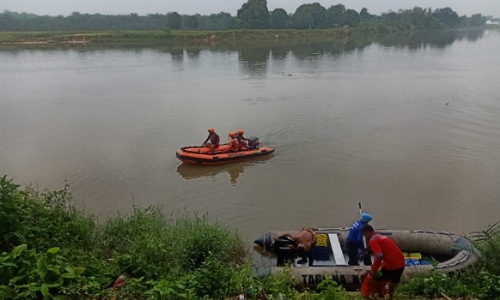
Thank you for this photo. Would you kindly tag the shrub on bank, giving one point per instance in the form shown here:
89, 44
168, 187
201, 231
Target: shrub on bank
42, 219
52, 248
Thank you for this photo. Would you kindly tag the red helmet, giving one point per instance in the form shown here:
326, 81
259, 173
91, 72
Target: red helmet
232, 134
241, 131
211, 129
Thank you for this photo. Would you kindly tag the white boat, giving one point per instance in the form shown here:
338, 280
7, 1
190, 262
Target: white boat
425, 251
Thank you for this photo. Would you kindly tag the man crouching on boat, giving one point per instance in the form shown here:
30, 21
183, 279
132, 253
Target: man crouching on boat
214, 140
290, 244
386, 253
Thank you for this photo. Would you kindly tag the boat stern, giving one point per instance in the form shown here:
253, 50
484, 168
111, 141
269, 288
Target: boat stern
265, 240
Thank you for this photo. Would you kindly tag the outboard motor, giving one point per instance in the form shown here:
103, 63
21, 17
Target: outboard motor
253, 142
286, 250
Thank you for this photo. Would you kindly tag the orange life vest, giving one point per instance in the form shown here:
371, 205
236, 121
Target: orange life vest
234, 145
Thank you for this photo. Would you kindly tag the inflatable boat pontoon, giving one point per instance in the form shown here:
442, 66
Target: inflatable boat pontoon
203, 156
442, 252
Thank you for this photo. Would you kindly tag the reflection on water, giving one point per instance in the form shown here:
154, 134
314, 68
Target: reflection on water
254, 61
254, 56
406, 125
190, 171
234, 170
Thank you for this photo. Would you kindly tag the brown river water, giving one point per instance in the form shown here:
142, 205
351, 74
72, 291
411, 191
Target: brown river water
410, 128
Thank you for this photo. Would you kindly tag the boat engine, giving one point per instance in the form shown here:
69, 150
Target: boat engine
286, 249
253, 142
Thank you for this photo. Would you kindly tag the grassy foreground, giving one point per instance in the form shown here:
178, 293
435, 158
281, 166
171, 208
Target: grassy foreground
50, 249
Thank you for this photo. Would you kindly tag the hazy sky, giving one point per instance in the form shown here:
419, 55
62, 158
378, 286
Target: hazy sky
205, 7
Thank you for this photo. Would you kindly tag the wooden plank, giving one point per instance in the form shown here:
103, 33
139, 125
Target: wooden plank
337, 251
329, 263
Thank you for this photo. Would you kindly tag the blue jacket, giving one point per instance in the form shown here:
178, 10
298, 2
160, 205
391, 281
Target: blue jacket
355, 236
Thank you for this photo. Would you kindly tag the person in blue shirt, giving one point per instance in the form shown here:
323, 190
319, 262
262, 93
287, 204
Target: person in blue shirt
355, 241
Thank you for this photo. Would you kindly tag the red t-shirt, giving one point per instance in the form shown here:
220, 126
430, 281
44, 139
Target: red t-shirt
384, 249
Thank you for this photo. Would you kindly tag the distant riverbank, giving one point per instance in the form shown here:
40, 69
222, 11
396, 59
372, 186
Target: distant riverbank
162, 36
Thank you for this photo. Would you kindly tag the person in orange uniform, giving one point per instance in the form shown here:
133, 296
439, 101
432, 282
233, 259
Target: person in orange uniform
242, 140
233, 143
387, 254
214, 140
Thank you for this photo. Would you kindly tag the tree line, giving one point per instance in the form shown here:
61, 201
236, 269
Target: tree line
253, 14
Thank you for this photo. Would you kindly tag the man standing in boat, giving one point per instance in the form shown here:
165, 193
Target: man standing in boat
388, 255
214, 140
355, 241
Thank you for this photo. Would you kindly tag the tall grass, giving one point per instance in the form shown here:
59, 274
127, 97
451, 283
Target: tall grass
161, 254
49, 248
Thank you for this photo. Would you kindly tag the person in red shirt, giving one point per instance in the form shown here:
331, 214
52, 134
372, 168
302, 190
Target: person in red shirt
386, 254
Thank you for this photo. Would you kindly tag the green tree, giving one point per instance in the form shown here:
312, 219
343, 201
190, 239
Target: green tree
420, 18
447, 16
279, 18
191, 22
254, 14
174, 20
310, 16
335, 15
364, 15
477, 20
351, 18
220, 21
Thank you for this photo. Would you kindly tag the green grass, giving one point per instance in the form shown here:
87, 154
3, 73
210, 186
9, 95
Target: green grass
160, 254
84, 37
166, 35
49, 248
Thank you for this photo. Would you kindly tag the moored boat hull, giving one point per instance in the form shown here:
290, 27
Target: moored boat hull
203, 156
455, 253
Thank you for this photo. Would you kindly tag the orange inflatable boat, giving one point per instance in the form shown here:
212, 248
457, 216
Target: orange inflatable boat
203, 156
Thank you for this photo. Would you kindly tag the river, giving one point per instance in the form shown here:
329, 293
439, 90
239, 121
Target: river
408, 127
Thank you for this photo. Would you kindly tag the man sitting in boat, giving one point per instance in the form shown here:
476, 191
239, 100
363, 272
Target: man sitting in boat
242, 140
214, 140
355, 241
302, 241
234, 146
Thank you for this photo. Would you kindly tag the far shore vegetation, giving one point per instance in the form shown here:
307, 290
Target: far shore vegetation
253, 21
51, 249
164, 36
